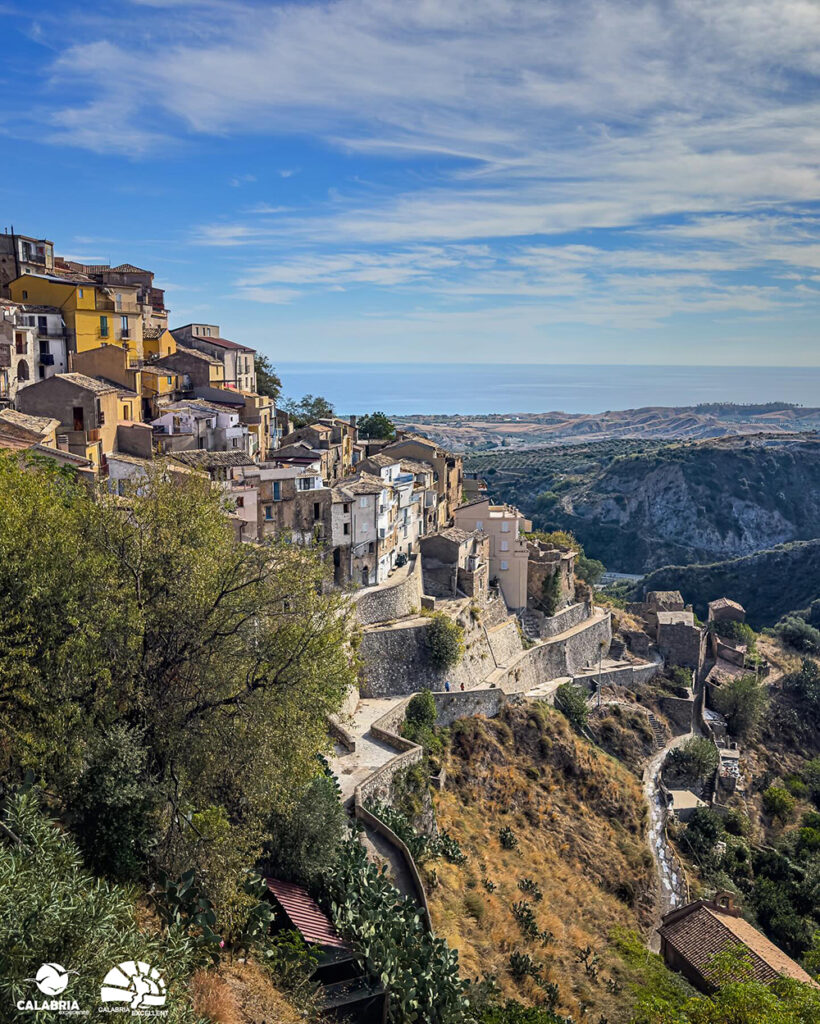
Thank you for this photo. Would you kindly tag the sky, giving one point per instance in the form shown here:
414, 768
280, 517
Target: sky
524, 181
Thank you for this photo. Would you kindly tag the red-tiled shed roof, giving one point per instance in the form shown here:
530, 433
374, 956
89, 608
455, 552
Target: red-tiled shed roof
305, 915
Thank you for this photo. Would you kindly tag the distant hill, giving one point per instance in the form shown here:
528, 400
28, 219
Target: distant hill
767, 583
641, 505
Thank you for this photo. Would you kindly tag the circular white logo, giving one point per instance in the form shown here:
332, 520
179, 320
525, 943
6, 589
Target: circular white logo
51, 979
134, 982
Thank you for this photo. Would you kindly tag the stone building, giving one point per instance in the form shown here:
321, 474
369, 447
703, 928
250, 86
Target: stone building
543, 562
332, 440
448, 470
726, 610
194, 423
456, 562
293, 501
237, 360
360, 530
18, 352
691, 936
22, 254
505, 527
678, 639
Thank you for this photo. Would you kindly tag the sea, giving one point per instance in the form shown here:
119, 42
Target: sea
411, 389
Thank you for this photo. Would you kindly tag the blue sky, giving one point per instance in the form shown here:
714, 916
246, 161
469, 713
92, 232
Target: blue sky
436, 180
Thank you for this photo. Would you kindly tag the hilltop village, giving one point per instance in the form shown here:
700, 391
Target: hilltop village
460, 610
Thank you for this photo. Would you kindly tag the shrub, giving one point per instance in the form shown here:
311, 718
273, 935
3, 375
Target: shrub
571, 701
738, 633
696, 759
778, 802
805, 684
522, 965
53, 911
444, 640
306, 840
741, 702
799, 634
703, 831
737, 823
522, 912
531, 888
681, 676
507, 838
551, 592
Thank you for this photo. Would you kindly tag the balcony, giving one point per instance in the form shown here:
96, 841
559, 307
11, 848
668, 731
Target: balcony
46, 359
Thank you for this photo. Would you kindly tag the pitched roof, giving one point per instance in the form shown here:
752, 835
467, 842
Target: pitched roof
81, 380
129, 268
702, 929
361, 483
38, 424
153, 331
455, 534
726, 602
383, 460
210, 460
305, 915
414, 466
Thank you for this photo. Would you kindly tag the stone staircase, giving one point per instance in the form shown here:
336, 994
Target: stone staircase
531, 624
657, 730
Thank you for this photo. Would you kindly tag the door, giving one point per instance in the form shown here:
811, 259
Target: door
78, 418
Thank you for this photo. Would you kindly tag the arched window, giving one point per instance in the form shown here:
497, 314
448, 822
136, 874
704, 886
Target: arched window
22, 370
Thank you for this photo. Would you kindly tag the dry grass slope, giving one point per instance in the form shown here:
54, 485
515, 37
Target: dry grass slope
579, 820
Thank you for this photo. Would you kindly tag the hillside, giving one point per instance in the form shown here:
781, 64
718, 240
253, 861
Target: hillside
476, 433
767, 583
638, 506
578, 819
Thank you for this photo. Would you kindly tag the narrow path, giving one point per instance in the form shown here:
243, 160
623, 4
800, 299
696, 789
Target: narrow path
352, 768
670, 884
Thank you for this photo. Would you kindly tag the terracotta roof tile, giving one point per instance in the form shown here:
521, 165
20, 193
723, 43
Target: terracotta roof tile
305, 915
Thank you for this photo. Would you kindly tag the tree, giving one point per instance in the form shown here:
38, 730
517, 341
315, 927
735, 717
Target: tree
310, 409
306, 839
694, 760
444, 640
377, 425
267, 380
571, 701
703, 831
778, 802
796, 632
805, 683
551, 592
741, 702
225, 658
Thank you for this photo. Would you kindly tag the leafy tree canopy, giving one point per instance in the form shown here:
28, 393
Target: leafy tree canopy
741, 702
309, 409
268, 381
377, 425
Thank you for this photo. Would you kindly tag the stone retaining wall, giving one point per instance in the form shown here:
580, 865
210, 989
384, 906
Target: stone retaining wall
452, 706
679, 711
569, 617
392, 600
505, 641
551, 659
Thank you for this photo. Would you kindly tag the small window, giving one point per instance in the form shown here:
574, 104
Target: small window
268, 511
234, 442
124, 330
505, 527
505, 545
346, 529
240, 502
103, 326
42, 371
20, 344
126, 412
505, 566
317, 510
346, 508
277, 490
479, 524
170, 380
363, 502
42, 324
80, 292
25, 294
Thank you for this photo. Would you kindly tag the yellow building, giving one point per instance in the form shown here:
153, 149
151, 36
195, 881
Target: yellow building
158, 342
94, 314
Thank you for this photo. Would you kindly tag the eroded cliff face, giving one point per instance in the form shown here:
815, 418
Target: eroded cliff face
696, 503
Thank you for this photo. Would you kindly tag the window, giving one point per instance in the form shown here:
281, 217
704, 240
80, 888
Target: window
208, 332
234, 442
505, 527
346, 508
479, 524
346, 529
126, 411
362, 502
22, 370
42, 372
103, 326
20, 343
44, 349
42, 324
317, 510
80, 292
124, 328
268, 511
240, 502
119, 300
170, 380
505, 545
277, 490
25, 295
505, 566
78, 417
